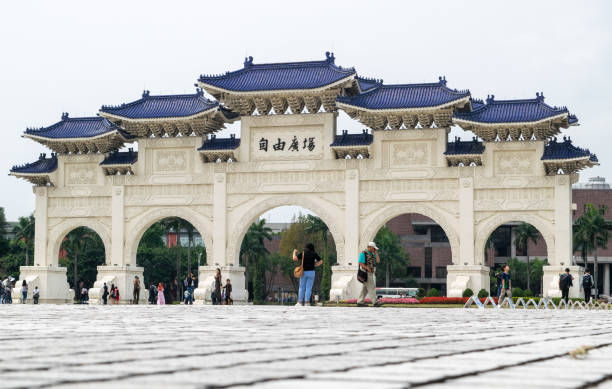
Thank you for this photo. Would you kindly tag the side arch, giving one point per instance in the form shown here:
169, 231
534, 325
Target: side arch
57, 234
139, 226
328, 212
485, 228
386, 213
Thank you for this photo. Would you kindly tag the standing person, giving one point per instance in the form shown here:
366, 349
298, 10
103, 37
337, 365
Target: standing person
152, 294
189, 286
84, 295
310, 260
36, 295
228, 292
116, 295
218, 281
565, 283
587, 284
136, 290
105, 294
24, 291
368, 259
112, 294
160, 294
499, 281
506, 289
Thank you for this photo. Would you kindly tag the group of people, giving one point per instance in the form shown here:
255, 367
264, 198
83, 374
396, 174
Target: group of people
6, 289
111, 295
221, 294
504, 284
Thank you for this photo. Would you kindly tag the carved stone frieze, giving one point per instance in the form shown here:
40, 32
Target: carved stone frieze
512, 163
514, 199
80, 174
79, 206
404, 154
170, 161
168, 194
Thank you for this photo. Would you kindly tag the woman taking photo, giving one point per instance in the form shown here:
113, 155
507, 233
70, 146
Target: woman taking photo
310, 260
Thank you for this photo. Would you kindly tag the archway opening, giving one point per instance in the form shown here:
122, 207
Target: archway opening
81, 252
414, 252
266, 252
170, 251
521, 246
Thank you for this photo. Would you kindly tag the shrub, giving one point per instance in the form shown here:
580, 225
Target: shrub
527, 293
468, 293
482, 293
518, 292
433, 292
421, 293
443, 300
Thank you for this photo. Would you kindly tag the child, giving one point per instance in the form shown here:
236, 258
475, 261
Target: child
36, 295
228, 292
187, 297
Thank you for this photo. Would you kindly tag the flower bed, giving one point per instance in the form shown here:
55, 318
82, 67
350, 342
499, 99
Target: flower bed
387, 300
448, 300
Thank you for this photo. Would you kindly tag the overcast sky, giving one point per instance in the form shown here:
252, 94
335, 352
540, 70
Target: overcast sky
75, 56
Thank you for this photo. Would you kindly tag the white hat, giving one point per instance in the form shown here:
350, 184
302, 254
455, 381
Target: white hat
372, 244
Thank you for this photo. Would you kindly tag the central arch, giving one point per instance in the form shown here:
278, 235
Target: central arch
381, 217
328, 212
138, 227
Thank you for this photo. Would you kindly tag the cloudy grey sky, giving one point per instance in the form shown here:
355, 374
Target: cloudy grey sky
75, 56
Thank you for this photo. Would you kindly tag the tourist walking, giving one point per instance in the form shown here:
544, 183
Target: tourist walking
587, 285
227, 289
310, 260
152, 294
116, 295
506, 289
105, 294
24, 291
565, 283
160, 294
189, 286
35, 295
499, 282
84, 295
112, 294
136, 290
368, 259
217, 293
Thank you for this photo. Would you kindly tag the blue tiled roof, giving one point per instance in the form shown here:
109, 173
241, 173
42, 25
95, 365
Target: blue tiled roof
121, 158
346, 139
153, 107
215, 143
459, 147
42, 165
565, 150
476, 103
87, 127
513, 111
280, 76
365, 84
405, 96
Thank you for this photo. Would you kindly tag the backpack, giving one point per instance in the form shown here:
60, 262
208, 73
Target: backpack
564, 281
587, 281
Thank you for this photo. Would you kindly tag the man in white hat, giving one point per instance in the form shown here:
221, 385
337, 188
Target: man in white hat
367, 261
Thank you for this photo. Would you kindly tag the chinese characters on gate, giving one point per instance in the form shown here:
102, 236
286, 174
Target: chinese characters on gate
294, 145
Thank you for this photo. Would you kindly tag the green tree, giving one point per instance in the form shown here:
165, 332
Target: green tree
176, 224
190, 232
153, 236
316, 226
252, 252
523, 234
24, 232
74, 244
4, 244
393, 258
591, 231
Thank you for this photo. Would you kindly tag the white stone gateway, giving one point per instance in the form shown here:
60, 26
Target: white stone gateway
290, 153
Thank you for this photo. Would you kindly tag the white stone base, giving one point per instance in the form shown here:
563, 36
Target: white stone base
206, 283
344, 284
51, 282
551, 281
460, 277
123, 278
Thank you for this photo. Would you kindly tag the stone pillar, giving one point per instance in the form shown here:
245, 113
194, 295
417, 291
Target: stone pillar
219, 217
466, 273
562, 257
118, 228
344, 280
45, 273
606, 279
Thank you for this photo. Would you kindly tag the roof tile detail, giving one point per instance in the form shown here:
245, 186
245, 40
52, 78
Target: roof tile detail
459, 147
215, 143
85, 127
121, 158
346, 139
565, 150
43, 165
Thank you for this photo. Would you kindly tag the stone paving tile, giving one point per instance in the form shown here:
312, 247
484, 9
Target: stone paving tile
72, 346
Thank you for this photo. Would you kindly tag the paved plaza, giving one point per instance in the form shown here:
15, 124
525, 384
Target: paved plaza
72, 346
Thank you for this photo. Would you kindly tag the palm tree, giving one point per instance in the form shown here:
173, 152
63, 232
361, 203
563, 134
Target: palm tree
75, 243
523, 234
252, 250
24, 232
591, 231
176, 224
315, 225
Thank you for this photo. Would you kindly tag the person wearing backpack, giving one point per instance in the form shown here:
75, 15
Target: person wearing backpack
587, 285
565, 283
368, 259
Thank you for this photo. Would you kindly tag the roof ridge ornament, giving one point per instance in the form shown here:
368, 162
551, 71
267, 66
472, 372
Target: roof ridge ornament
540, 96
199, 92
248, 62
490, 99
330, 58
442, 80
64, 115
145, 93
